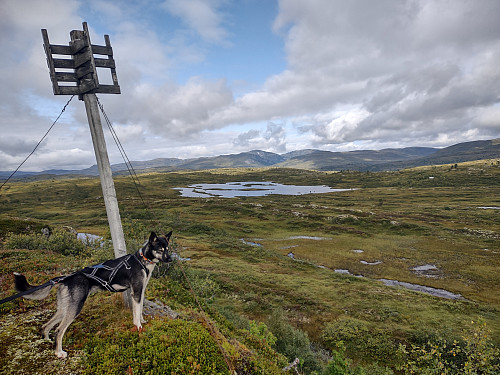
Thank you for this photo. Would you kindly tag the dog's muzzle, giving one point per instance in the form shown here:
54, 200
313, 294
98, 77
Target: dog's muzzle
166, 257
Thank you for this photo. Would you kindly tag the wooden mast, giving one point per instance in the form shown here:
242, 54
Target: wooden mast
81, 74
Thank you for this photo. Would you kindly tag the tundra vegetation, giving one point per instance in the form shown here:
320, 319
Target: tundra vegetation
241, 298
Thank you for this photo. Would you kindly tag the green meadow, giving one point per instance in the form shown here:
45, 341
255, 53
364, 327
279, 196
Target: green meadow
241, 295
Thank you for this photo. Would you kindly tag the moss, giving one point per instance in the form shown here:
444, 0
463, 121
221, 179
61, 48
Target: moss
23, 351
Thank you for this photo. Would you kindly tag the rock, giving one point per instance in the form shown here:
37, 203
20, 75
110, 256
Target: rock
159, 309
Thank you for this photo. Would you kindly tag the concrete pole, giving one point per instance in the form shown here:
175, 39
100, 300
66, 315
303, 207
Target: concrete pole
107, 184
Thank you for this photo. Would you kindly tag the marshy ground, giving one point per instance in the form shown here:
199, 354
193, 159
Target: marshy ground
435, 226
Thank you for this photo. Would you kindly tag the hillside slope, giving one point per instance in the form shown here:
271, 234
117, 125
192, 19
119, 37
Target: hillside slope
360, 160
459, 153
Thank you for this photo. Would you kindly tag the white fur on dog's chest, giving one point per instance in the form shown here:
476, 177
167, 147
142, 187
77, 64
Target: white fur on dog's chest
151, 267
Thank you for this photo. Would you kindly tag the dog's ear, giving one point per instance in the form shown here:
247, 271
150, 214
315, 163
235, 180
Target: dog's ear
152, 237
167, 237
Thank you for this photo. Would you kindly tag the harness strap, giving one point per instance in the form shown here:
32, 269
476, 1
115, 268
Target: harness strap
101, 281
139, 261
114, 270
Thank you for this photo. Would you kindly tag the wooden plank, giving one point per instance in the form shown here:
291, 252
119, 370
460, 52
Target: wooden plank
86, 33
50, 61
87, 85
114, 77
68, 90
63, 63
108, 89
66, 77
104, 63
82, 58
102, 50
77, 45
60, 50
84, 70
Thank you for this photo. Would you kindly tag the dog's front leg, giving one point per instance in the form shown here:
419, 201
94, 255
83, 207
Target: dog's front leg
136, 313
136, 307
141, 302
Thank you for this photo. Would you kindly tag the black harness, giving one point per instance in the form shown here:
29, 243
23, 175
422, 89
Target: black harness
104, 273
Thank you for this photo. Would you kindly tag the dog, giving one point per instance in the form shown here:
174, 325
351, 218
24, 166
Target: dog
130, 272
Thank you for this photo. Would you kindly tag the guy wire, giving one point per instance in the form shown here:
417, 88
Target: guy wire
38, 144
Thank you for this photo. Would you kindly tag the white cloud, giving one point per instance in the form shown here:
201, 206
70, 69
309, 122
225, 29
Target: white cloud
489, 117
340, 129
410, 72
398, 63
271, 139
202, 16
179, 111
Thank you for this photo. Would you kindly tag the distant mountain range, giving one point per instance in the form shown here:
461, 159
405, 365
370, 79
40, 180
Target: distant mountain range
366, 160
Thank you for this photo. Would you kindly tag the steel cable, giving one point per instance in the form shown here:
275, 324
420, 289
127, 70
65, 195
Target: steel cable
38, 144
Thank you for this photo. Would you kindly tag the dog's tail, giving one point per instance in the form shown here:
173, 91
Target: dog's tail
29, 291
37, 291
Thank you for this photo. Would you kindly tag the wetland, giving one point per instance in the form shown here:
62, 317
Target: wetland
399, 230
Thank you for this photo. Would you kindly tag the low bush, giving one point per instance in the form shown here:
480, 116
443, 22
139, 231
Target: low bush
359, 336
61, 241
260, 330
166, 347
292, 342
14, 225
473, 353
340, 365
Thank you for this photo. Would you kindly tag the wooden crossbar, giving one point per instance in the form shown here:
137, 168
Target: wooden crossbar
80, 67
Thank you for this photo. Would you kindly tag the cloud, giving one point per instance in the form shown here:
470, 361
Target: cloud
400, 64
340, 129
178, 110
272, 139
62, 159
276, 137
16, 146
202, 16
245, 139
399, 73
489, 117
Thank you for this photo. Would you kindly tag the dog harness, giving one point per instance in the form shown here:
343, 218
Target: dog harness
104, 273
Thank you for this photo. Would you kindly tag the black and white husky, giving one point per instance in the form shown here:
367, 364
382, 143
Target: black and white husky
131, 271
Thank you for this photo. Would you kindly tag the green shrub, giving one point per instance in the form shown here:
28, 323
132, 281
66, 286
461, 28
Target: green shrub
473, 354
359, 336
166, 347
61, 241
339, 364
13, 225
203, 283
292, 342
260, 330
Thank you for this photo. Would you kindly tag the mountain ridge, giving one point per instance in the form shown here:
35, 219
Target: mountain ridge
360, 160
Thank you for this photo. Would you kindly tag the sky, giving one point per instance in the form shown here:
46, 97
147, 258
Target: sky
209, 77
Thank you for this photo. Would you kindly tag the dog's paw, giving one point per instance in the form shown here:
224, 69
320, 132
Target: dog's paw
62, 354
137, 329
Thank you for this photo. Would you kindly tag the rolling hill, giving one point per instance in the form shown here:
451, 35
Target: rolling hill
361, 160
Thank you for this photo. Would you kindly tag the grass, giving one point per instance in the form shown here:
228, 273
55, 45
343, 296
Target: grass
403, 219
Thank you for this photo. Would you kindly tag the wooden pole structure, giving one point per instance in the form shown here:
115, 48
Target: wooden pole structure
105, 174
84, 75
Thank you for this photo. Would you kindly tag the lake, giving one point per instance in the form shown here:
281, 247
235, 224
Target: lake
251, 189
